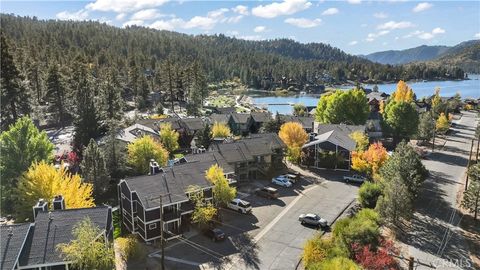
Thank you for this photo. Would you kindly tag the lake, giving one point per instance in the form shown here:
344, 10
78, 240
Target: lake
466, 88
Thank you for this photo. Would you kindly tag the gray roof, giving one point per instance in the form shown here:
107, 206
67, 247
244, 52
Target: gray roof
225, 110
240, 118
131, 133
305, 121
48, 232
155, 123
346, 129
261, 117
173, 184
378, 96
335, 137
12, 239
192, 124
219, 118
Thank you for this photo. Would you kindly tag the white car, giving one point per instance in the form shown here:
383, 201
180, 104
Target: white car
240, 206
281, 181
355, 178
312, 219
291, 177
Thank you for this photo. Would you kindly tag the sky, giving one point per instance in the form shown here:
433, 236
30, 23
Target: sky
355, 26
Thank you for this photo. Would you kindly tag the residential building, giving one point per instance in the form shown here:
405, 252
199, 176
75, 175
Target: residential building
240, 123
305, 121
258, 119
161, 200
34, 245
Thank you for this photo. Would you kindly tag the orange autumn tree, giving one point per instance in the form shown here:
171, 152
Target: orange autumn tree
294, 136
371, 160
403, 92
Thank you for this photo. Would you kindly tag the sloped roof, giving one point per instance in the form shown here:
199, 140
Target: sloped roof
261, 117
240, 118
346, 129
377, 95
12, 240
49, 231
305, 121
131, 133
335, 137
193, 124
155, 123
219, 118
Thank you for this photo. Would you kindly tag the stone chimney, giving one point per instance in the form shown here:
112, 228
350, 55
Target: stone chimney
154, 168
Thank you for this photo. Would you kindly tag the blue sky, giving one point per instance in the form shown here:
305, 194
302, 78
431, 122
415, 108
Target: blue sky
355, 26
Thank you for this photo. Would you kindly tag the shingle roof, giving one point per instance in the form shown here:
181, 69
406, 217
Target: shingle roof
155, 123
261, 117
193, 124
12, 239
346, 129
131, 133
225, 110
48, 232
378, 96
240, 118
335, 137
305, 121
219, 118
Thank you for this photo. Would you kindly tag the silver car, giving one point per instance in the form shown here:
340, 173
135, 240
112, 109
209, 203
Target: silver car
312, 219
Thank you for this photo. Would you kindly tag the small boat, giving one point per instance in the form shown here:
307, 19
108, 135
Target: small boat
303, 93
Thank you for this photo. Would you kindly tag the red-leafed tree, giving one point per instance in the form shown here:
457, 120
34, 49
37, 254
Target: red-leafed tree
379, 259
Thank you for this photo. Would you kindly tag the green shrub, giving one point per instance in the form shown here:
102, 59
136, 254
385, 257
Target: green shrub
362, 229
368, 214
130, 249
368, 194
318, 249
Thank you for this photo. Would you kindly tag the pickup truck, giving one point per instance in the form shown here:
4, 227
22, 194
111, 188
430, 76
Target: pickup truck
355, 178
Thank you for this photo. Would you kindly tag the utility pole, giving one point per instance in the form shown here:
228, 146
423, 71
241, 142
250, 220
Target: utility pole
478, 145
162, 241
468, 165
433, 145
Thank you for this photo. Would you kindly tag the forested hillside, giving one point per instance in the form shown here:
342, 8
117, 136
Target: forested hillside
465, 55
395, 57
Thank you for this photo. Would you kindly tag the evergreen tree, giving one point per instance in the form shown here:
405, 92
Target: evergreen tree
426, 127
168, 80
114, 156
471, 197
204, 137
111, 98
133, 78
86, 118
56, 95
273, 125
14, 97
94, 169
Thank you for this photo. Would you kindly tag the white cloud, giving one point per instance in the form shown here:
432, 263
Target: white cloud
80, 15
354, 42
354, 2
391, 25
123, 6
202, 22
120, 16
287, 7
426, 35
422, 7
477, 35
380, 15
372, 36
260, 29
133, 22
330, 11
303, 22
146, 14
240, 9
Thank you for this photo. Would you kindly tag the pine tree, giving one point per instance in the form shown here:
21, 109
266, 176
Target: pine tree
111, 98
14, 98
168, 81
205, 137
56, 95
93, 167
86, 118
114, 156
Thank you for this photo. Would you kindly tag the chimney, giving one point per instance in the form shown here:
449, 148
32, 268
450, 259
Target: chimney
312, 136
154, 168
41, 206
58, 202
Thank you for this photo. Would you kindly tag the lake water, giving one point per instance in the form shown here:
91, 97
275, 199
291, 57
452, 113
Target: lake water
466, 88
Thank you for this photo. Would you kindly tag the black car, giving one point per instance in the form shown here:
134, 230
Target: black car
215, 234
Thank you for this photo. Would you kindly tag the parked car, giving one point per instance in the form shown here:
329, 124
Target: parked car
215, 234
267, 192
355, 178
312, 219
240, 206
293, 178
281, 181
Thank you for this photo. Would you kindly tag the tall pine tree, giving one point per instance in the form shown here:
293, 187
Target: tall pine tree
56, 95
94, 169
111, 98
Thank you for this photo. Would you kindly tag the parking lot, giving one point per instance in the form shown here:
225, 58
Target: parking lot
271, 237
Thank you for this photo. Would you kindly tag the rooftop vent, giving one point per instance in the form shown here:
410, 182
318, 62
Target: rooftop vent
58, 202
41, 206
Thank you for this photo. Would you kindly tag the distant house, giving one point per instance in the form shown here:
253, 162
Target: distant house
225, 110
258, 119
162, 199
254, 156
422, 106
305, 121
219, 118
240, 123
374, 100
34, 245
346, 129
186, 127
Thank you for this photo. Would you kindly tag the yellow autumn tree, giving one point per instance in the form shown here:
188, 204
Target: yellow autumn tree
220, 130
361, 140
371, 160
222, 191
403, 92
382, 106
44, 181
442, 125
142, 150
294, 136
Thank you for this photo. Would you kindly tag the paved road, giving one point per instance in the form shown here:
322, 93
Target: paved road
435, 240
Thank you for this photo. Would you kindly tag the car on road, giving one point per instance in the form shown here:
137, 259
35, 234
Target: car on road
215, 234
313, 219
240, 206
267, 192
355, 178
281, 181
293, 178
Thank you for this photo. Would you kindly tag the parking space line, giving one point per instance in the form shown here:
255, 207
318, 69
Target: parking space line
284, 211
178, 260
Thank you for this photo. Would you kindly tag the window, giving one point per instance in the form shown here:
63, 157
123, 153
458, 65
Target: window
152, 226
